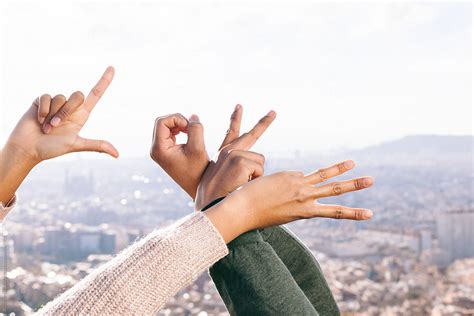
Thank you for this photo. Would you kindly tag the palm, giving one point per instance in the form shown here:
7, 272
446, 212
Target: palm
63, 139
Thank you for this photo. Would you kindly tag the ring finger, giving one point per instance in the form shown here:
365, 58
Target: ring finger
338, 188
56, 103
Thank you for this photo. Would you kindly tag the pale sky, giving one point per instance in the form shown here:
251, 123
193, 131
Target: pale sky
338, 75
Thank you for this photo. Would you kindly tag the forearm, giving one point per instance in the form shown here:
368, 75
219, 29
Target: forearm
144, 276
304, 268
15, 164
252, 279
252, 252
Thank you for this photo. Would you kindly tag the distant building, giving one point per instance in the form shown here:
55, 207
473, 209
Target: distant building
76, 242
456, 234
79, 185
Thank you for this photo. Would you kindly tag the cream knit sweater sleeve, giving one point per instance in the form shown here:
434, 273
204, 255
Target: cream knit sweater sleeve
144, 276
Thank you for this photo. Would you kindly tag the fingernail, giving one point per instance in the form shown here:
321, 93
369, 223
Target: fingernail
349, 164
41, 120
368, 182
194, 119
55, 121
237, 107
47, 128
271, 113
368, 214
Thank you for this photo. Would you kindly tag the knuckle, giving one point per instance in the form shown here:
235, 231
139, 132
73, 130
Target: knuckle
338, 213
96, 92
341, 167
336, 188
322, 174
63, 113
358, 214
251, 134
232, 130
301, 195
239, 161
359, 184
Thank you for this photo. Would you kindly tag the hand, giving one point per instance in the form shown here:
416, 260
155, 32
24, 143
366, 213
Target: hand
50, 128
235, 165
62, 121
285, 197
185, 163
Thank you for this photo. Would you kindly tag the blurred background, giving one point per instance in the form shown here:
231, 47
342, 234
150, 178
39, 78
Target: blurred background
386, 84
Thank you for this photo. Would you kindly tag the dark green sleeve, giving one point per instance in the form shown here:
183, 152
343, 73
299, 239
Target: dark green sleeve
254, 280
303, 267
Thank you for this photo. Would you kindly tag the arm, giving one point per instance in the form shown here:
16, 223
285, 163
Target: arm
188, 163
144, 276
293, 281
50, 128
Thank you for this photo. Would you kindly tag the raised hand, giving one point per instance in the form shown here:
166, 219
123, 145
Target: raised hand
50, 128
284, 197
60, 121
185, 163
235, 165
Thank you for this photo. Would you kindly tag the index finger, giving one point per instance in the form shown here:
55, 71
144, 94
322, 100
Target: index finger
99, 89
168, 125
247, 140
234, 130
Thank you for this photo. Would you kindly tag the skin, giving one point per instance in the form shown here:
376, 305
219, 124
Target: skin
185, 163
50, 128
282, 198
30, 143
292, 195
188, 164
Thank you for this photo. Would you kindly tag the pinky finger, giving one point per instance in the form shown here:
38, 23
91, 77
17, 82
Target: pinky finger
341, 212
43, 107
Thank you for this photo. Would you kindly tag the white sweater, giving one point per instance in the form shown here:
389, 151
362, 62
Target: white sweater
142, 278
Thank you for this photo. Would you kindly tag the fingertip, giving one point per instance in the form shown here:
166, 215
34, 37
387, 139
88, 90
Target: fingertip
368, 214
349, 164
79, 95
238, 107
110, 71
368, 181
41, 120
193, 119
55, 121
110, 149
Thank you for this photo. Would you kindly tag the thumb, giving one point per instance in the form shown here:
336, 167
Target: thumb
100, 146
195, 134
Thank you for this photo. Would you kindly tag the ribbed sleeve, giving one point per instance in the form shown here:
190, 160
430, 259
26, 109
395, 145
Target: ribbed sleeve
5, 209
145, 275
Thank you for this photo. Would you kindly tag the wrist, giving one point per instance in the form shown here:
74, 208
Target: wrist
229, 218
16, 154
15, 164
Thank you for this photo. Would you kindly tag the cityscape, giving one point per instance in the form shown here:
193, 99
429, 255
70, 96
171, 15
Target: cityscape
415, 257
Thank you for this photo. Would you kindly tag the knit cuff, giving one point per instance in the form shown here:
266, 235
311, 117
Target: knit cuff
5, 209
203, 244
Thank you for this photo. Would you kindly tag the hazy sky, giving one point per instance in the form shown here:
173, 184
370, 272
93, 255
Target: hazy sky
339, 75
